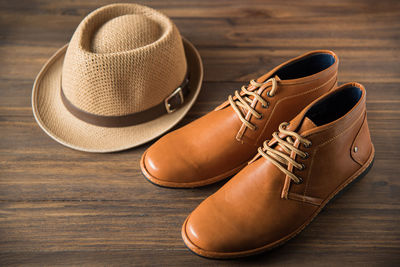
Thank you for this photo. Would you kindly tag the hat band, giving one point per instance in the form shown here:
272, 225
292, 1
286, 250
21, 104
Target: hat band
169, 105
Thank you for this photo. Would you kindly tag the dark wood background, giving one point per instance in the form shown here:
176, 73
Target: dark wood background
63, 207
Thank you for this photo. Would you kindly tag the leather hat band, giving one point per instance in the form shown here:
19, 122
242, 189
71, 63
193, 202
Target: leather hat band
169, 105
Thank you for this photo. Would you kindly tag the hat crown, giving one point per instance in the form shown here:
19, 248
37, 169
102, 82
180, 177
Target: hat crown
125, 33
123, 59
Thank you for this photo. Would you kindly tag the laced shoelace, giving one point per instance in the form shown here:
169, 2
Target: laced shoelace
245, 102
278, 158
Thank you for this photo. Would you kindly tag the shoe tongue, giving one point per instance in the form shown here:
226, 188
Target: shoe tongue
306, 125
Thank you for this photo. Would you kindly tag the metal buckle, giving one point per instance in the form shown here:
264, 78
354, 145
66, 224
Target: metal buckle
178, 91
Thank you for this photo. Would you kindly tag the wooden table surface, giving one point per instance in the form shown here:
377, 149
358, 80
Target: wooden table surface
63, 207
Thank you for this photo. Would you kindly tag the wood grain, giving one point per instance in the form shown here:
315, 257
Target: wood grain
64, 207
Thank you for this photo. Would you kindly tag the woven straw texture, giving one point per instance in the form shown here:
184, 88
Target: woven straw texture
123, 59
68, 130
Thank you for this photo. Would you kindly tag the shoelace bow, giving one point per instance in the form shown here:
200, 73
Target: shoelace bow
245, 102
278, 158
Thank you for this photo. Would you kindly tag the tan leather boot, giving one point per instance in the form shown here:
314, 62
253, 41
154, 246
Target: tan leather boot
221, 143
293, 176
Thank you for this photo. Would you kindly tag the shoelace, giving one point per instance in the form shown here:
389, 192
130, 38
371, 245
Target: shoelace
278, 158
244, 102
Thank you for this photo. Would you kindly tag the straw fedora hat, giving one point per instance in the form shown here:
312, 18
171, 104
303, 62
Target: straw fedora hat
126, 77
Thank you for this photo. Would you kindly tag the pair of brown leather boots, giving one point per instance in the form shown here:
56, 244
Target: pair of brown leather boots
282, 183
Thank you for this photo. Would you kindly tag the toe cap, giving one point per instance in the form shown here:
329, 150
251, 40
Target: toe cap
204, 230
158, 162
166, 165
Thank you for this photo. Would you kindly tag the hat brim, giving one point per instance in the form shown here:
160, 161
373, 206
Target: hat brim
52, 116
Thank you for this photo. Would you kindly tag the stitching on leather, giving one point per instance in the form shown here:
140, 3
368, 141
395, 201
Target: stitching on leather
310, 80
288, 97
306, 199
323, 144
333, 125
353, 156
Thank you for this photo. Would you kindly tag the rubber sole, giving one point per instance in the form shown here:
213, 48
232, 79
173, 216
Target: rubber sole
201, 183
232, 255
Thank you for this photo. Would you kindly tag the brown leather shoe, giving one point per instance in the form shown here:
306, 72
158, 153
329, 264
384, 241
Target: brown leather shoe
292, 177
221, 143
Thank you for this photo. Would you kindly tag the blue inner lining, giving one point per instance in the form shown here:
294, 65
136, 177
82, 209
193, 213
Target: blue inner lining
306, 66
334, 105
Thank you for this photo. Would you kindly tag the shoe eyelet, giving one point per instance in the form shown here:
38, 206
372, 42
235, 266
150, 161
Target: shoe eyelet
269, 95
261, 117
300, 181
255, 128
264, 106
303, 167
285, 125
306, 156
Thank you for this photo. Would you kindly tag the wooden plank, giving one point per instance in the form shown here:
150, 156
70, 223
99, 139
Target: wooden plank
269, 33
215, 9
107, 228
294, 256
228, 64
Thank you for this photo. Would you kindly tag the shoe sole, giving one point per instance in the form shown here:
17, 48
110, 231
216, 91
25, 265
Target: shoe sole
168, 184
231, 255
